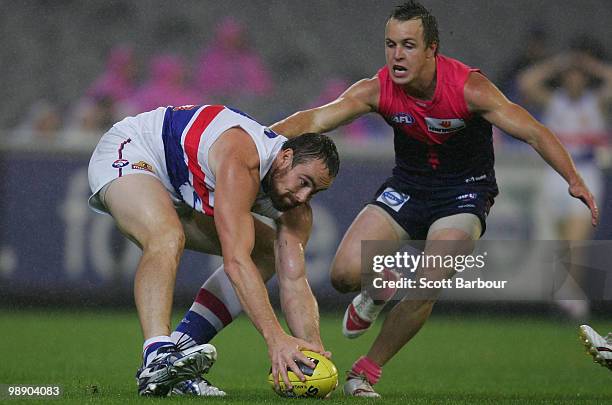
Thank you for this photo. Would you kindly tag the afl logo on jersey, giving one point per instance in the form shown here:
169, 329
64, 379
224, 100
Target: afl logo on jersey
402, 118
119, 163
393, 198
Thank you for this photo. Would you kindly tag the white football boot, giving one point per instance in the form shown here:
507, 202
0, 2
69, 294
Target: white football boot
197, 387
171, 366
599, 347
363, 310
357, 385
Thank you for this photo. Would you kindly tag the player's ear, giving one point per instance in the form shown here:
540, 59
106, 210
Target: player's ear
431, 50
286, 157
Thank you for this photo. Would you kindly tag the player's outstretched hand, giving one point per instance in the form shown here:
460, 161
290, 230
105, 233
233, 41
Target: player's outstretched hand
284, 351
581, 191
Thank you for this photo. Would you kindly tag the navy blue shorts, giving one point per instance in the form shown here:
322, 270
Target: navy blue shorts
415, 209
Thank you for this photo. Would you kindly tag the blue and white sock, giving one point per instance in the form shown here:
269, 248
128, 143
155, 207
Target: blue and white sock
152, 345
215, 306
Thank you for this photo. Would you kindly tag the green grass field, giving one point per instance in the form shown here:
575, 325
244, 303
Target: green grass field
454, 360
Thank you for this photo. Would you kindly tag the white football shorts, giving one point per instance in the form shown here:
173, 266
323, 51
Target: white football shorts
133, 145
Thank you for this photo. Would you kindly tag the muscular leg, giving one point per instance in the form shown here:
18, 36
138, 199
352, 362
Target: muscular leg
408, 316
144, 212
372, 223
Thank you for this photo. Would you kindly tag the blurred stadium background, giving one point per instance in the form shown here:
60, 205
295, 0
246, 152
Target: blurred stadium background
57, 255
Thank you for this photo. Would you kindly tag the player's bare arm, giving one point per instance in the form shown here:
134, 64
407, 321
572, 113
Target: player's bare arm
237, 169
485, 99
533, 81
602, 71
359, 99
297, 300
235, 162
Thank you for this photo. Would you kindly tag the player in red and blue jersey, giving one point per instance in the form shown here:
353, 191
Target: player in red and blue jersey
443, 184
193, 177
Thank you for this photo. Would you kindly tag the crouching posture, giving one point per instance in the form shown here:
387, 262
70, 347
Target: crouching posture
193, 177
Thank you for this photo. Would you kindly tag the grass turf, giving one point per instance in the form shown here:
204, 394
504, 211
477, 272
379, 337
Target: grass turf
454, 360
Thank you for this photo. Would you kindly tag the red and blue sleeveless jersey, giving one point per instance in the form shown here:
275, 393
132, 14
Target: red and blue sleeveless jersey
188, 134
438, 142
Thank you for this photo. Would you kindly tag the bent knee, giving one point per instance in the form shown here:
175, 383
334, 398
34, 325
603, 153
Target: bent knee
170, 239
345, 275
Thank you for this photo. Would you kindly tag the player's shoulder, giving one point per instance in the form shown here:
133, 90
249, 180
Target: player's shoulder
476, 82
366, 90
480, 92
235, 145
456, 73
368, 85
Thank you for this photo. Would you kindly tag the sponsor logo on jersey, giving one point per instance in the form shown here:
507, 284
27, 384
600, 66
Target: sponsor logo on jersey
119, 163
393, 198
475, 179
445, 125
469, 196
402, 118
142, 165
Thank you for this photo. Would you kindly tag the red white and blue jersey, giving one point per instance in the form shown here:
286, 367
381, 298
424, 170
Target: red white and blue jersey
438, 142
189, 132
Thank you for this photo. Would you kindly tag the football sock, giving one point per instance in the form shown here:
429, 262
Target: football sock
382, 295
368, 368
152, 345
215, 306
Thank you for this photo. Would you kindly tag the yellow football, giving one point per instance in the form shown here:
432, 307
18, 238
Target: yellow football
320, 381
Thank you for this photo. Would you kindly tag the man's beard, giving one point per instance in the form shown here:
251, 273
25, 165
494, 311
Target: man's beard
270, 188
279, 203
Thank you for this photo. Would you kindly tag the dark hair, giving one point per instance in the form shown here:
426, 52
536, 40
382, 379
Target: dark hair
413, 9
311, 146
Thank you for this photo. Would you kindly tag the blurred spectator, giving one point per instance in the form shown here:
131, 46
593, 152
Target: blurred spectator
367, 127
533, 49
89, 119
41, 125
229, 69
575, 112
117, 83
166, 85
106, 101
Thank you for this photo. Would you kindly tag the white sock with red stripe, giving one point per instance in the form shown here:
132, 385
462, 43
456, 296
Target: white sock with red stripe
382, 295
215, 306
152, 345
